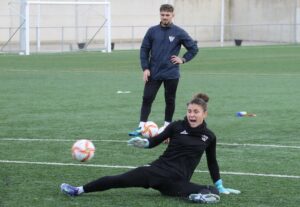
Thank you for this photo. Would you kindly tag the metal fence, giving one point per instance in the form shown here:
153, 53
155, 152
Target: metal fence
64, 39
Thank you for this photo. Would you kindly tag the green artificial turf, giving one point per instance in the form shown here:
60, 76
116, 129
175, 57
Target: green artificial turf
48, 101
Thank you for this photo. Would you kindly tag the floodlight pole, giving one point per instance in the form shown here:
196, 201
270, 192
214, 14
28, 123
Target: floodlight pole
23, 27
38, 30
107, 27
297, 21
76, 22
27, 39
222, 23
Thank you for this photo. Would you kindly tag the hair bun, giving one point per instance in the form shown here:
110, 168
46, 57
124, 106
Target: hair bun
202, 96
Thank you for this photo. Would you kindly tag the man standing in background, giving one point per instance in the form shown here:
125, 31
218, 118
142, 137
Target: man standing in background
160, 63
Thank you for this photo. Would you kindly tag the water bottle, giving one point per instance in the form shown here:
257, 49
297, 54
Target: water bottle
241, 113
244, 113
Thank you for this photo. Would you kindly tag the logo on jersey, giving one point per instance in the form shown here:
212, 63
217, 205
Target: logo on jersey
171, 38
204, 138
184, 132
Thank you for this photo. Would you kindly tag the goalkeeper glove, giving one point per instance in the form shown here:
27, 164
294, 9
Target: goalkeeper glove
138, 142
221, 189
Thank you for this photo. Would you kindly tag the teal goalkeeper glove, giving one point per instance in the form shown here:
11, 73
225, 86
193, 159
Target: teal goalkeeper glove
221, 189
138, 142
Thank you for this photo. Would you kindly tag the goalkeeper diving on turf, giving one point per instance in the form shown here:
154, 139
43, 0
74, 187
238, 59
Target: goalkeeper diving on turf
171, 173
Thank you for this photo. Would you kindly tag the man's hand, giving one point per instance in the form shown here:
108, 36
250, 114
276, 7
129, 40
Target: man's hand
146, 75
177, 60
221, 189
138, 142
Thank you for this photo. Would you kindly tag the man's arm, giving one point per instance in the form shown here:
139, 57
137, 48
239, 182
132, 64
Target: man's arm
191, 47
145, 51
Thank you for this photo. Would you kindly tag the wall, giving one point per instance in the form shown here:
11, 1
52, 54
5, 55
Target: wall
275, 17
130, 18
201, 18
146, 13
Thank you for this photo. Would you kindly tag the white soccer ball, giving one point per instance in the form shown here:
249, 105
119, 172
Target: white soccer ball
83, 150
150, 129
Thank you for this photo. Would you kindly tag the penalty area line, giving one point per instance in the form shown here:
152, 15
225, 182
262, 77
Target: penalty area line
132, 167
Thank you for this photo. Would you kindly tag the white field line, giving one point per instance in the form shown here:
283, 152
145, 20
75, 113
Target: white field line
55, 140
260, 145
124, 141
202, 73
132, 167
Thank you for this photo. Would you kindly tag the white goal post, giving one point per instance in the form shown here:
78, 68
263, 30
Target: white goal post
107, 25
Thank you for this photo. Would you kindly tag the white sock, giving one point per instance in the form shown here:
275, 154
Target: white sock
166, 123
80, 190
142, 124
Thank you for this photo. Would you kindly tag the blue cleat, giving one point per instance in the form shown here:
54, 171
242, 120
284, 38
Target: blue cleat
204, 198
69, 189
136, 132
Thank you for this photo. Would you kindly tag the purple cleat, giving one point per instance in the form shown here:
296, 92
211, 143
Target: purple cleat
69, 189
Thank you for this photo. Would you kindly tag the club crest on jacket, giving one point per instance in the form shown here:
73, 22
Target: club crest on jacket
171, 38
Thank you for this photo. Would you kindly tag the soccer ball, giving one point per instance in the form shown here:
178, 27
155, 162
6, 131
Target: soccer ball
150, 129
83, 150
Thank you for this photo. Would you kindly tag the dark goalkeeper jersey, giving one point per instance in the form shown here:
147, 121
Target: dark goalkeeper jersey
185, 150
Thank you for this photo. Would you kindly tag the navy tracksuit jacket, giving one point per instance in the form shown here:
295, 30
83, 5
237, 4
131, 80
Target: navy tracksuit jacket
159, 44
